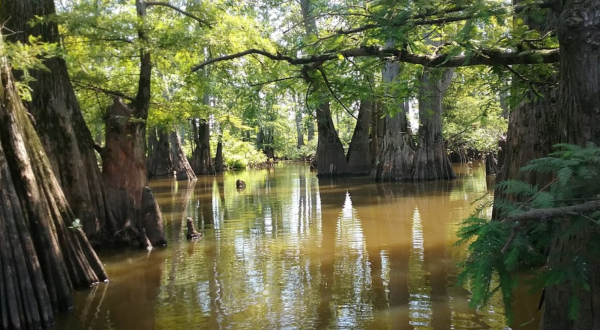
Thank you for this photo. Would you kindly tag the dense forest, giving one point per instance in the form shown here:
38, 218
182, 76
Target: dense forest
99, 96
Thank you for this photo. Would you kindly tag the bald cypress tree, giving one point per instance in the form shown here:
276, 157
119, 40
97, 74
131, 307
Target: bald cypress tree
44, 253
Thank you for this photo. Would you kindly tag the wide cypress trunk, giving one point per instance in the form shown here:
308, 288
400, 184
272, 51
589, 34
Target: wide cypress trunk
166, 157
530, 130
376, 132
181, 167
395, 159
124, 159
431, 160
201, 159
59, 122
331, 160
159, 162
330, 157
124, 172
41, 259
359, 156
578, 122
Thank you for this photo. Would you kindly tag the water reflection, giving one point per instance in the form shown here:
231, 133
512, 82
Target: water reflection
292, 251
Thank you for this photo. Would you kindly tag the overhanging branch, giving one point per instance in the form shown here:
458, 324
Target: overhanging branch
555, 212
84, 85
487, 57
183, 12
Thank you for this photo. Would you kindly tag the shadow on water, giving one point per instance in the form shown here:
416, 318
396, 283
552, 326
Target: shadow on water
294, 251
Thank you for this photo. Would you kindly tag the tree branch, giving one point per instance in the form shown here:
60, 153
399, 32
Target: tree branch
273, 81
183, 12
333, 93
487, 57
91, 87
554, 212
421, 18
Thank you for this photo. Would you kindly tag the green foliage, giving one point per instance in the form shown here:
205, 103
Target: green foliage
240, 154
304, 153
472, 115
500, 249
26, 57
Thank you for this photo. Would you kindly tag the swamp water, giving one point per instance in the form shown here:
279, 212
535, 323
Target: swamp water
292, 251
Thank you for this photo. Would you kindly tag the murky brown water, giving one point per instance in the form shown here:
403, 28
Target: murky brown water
295, 252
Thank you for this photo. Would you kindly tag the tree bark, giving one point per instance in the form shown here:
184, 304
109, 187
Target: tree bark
219, 157
181, 167
265, 142
124, 169
166, 157
397, 149
311, 129
299, 128
431, 160
491, 164
124, 156
578, 122
331, 160
376, 135
201, 159
530, 130
41, 260
359, 156
60, 124
159, 162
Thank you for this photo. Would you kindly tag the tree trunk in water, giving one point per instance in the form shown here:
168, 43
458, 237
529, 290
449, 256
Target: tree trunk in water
265, 143
431, 160
60, 124
124, 156
397, 150
310, 26
491, 164
578, 122
331, 160
181, 167
124, 171
41, 259
359, 157
376, 134
219, 157
159, 162
299, 130
166, 157
201, 159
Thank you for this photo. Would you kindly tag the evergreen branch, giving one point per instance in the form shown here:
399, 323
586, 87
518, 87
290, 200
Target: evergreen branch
515, 229
183, 12
487, 57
